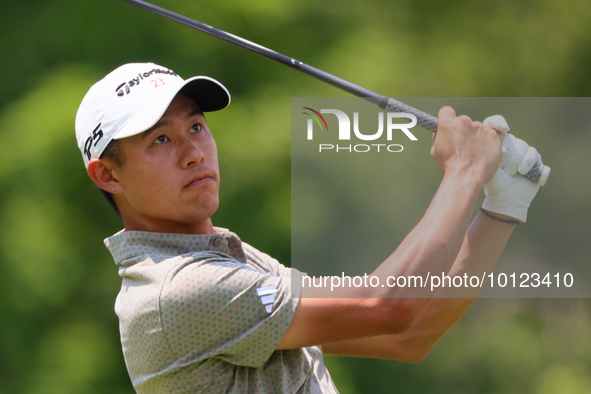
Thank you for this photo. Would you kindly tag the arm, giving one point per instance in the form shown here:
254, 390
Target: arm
468, 155
480, 251
508, 195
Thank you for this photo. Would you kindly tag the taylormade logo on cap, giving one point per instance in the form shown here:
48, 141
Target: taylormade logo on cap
132, 98
125, 87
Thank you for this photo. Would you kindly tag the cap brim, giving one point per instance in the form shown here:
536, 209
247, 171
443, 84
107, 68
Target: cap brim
208, 94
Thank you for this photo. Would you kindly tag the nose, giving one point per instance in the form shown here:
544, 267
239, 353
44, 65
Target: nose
190, 153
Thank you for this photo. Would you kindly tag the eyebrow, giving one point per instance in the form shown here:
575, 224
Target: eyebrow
159, 124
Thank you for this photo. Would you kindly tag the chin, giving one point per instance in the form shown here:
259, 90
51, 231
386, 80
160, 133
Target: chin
206, 209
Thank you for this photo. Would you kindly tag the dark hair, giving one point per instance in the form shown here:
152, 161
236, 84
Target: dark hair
115, 153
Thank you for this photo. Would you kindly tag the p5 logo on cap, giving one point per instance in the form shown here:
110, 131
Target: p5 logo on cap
96, 136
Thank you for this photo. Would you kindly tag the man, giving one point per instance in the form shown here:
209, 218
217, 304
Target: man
200, 311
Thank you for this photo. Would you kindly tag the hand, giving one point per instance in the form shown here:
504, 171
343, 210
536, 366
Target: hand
461, 144
508, 192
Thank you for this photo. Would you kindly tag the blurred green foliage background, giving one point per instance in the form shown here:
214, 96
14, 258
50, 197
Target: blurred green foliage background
58, 331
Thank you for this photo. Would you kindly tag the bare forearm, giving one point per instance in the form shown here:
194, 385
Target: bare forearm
484, 243
433, 245
480, 251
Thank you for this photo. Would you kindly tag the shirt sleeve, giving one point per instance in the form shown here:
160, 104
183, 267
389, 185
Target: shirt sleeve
214, 306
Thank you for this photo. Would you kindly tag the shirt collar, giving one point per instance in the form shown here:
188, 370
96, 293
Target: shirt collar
129, 244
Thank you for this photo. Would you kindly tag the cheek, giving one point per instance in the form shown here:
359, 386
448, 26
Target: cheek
212, 154
148, 182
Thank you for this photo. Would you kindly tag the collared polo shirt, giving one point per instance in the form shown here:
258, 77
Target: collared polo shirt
205, 313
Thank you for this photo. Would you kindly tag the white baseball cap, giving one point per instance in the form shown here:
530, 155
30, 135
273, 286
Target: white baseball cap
132, 98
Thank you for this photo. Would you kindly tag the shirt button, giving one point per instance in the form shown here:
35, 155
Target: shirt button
217, 242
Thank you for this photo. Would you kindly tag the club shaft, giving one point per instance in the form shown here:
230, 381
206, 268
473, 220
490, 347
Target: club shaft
424, 119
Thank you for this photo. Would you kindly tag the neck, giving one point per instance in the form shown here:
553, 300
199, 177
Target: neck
191, 221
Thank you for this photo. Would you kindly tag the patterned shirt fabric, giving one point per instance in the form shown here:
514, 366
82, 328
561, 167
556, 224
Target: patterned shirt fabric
205, 313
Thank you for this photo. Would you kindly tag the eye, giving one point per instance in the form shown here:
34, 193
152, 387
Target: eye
196, 128
161, 139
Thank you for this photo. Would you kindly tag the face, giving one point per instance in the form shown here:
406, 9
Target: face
170, 179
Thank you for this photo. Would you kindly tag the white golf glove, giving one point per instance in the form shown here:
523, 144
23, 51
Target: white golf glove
508, 192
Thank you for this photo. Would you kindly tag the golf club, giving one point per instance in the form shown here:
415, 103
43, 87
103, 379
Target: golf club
538, 173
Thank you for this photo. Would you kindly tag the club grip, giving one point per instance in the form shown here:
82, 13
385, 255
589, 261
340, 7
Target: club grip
538, 173
425, 120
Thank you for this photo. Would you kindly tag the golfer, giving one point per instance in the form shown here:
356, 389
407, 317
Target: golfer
202, 312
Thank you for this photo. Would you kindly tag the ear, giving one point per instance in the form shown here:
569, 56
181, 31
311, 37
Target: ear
101, 173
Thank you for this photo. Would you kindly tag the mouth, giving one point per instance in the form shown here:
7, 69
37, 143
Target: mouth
199, 180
